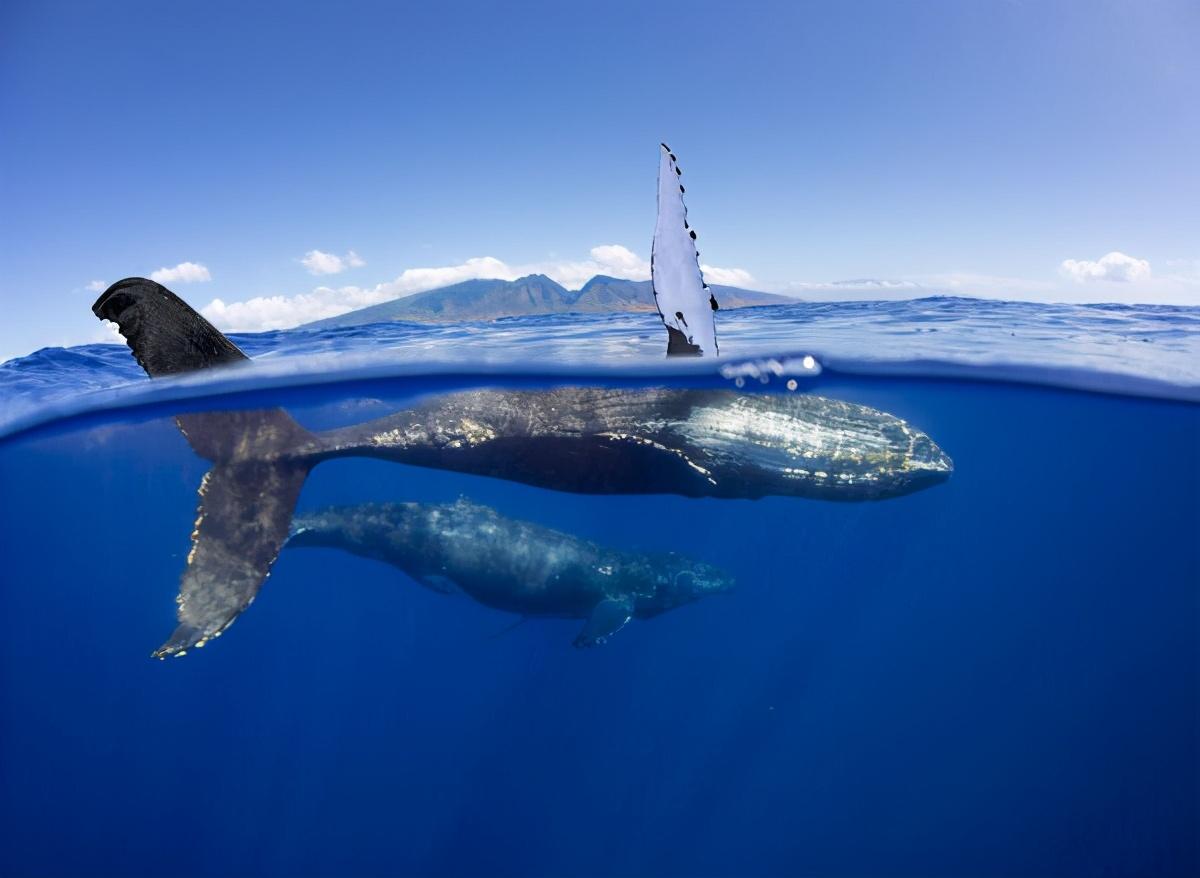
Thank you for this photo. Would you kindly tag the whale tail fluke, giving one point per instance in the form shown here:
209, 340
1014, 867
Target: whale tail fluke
260, 458
166, 335
242, 522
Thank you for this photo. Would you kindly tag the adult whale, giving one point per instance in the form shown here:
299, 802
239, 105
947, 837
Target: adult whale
697, 443
511, 565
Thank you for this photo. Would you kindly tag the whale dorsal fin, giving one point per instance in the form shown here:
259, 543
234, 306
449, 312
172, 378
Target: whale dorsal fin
606, 619
684, 301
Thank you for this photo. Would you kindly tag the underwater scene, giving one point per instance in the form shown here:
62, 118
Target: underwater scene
900, 589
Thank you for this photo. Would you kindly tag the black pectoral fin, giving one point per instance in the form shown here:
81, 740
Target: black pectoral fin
243, 520
167, 336
607, 618
679, 346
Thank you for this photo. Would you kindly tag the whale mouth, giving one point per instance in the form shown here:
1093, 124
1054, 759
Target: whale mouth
941, 463
701, 581
926, 457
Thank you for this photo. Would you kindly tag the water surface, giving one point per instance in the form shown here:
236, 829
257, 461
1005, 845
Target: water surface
998, 675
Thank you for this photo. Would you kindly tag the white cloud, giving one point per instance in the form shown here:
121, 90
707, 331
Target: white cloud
107, 332
729, 277
617, 261
1114, 266
319, 262
612, 260
283, 312
96, 286
183, 273
416, 280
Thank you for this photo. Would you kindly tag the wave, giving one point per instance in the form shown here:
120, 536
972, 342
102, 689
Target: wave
1140, 350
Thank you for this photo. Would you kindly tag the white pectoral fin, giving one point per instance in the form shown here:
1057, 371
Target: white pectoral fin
606, 619
685, 302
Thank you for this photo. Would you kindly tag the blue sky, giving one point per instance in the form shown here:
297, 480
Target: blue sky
995, 149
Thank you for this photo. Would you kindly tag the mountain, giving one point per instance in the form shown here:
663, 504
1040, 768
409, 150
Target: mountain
534, 294
469, 300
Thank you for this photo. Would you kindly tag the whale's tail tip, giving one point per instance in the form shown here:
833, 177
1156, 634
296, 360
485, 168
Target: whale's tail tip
129, 286
184, 638
166, 334
187, 636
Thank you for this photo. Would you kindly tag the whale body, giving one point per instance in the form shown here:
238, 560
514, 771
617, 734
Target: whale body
511, 565
691, 442
698, 443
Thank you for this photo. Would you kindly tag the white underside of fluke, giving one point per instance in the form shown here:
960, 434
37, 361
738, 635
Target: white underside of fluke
679, 290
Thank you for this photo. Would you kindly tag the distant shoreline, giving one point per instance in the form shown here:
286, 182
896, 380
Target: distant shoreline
534, 295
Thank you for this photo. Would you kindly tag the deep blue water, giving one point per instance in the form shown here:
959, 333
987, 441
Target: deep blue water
999, 675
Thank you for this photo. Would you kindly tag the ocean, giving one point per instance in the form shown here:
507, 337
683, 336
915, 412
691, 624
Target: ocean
996, 675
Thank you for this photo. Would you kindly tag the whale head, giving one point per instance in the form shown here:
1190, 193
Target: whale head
683, 580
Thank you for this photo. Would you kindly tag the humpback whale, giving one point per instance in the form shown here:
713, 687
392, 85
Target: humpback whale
696, 443
685, 302
511, 565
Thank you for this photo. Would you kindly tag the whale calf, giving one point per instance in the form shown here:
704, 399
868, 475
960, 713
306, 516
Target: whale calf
511, 565
691, 442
